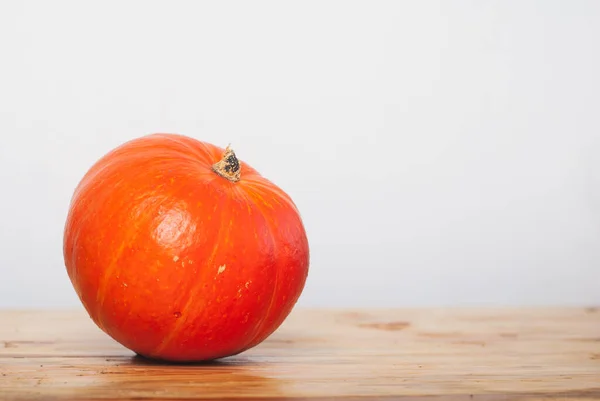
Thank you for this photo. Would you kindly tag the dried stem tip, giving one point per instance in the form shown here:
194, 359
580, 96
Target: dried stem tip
229, 166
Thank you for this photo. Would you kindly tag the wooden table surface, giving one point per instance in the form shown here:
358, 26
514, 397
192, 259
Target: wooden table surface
426, 354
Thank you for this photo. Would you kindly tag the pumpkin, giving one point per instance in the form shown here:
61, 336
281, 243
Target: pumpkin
181, 252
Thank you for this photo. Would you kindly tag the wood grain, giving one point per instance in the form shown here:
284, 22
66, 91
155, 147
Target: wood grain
424, 354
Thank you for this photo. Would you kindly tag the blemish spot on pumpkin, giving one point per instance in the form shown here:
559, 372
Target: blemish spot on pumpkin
389, 326
177, 314
124, 284
175, 258
221, 269
248, 284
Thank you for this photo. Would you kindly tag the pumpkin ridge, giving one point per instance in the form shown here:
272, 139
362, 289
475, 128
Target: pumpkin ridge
275, 192
204, 273
131, 236
267, 313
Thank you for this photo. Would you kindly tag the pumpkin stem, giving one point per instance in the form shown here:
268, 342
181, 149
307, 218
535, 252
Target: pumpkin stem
229, 166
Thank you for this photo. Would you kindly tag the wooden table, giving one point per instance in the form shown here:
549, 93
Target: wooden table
427, 354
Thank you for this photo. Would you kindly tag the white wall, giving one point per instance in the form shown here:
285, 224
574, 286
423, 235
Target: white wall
441, 153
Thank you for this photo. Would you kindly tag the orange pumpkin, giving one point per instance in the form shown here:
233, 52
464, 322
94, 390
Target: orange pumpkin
181, 252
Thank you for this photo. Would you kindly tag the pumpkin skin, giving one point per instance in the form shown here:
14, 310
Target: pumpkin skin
181, 252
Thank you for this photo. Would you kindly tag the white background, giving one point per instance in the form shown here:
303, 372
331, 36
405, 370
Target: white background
441, 152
